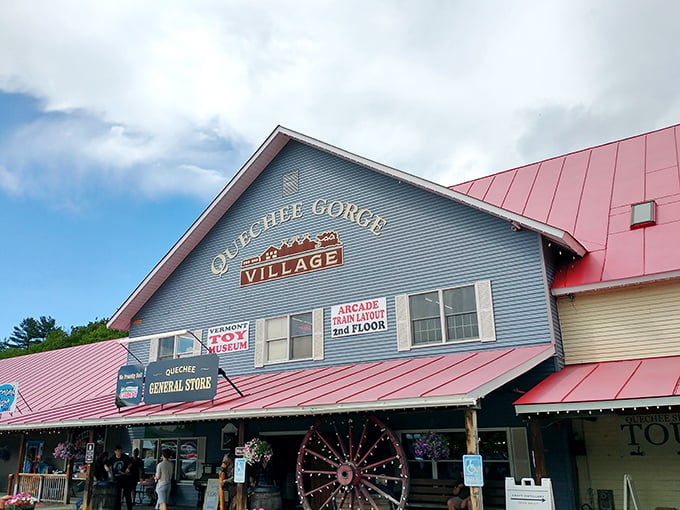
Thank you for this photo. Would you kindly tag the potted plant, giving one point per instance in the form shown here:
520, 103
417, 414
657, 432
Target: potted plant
21, 501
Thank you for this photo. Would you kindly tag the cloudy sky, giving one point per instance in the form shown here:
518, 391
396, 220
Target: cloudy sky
120, 121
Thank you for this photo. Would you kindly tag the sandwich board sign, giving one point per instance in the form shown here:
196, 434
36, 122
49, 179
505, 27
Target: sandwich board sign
528, 496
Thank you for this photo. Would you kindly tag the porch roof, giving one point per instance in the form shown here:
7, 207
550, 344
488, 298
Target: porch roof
456, 380
604, 386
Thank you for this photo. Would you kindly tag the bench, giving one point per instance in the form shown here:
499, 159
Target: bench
428, 493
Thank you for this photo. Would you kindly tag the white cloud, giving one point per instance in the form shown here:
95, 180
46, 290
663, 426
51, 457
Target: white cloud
8, 181
148, 91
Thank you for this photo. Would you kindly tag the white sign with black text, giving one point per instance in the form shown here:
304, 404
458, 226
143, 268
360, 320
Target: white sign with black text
357, 318
228, 338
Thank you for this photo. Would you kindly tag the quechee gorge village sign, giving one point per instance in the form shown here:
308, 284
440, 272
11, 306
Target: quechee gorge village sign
300, 253
297, 255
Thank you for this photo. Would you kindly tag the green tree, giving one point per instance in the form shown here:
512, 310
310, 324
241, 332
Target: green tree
57, 338
30, 332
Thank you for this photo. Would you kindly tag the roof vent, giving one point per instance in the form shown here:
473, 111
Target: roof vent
643, 214
290, 183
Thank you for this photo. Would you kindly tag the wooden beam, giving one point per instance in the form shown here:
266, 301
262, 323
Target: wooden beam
240, 487
472, 447
539, 452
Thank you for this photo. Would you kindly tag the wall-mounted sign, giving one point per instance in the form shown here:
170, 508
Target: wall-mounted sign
181, 380
645, 434
239, 470
89, 453
295, 256
354, 213
228, 338
129, 385
8, 397
357, 318
473, 470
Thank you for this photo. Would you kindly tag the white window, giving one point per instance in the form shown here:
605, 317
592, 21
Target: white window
175, 346
457, 314
289, 338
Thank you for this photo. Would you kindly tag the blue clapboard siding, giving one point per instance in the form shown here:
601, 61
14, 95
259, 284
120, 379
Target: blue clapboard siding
429, 242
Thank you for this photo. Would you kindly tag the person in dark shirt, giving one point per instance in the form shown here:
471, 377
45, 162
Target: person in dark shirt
118, 467
136, 473
461, 496
99, 468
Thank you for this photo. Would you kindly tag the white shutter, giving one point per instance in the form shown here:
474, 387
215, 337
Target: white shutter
487, 326
317, 334
403, 323
198, 348
519, 453
153, 349
260, 327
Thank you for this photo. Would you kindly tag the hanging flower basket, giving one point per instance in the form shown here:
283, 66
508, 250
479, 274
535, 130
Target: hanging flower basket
257, 450
70, 451
432, 447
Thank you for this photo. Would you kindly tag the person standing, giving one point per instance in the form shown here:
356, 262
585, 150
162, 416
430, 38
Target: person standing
118, 467
136, 473
163, 477
227, 486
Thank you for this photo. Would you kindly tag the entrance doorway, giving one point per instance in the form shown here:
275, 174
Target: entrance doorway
284, 464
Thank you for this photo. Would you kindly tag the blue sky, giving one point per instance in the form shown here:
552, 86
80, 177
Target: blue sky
120, 121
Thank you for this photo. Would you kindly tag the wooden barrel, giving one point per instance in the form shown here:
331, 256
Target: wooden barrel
268, 498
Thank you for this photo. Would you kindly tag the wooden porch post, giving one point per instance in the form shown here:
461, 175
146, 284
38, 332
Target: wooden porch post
240, 487
87, 493
472, 447
20, 462
539, 452
69, 471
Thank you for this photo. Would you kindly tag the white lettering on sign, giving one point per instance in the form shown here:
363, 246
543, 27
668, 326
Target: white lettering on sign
367, 316
228, 338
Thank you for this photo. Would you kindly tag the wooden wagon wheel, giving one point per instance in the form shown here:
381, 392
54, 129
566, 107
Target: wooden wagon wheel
348, 463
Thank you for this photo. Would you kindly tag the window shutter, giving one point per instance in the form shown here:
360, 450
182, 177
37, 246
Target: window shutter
198, 348
403, 323
153, 350
487, 327
259, 342
317, 334
519, 451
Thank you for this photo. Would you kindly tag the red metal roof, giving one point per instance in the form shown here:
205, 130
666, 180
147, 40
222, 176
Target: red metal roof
650, 382
438, 381
589, 194
52, 379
